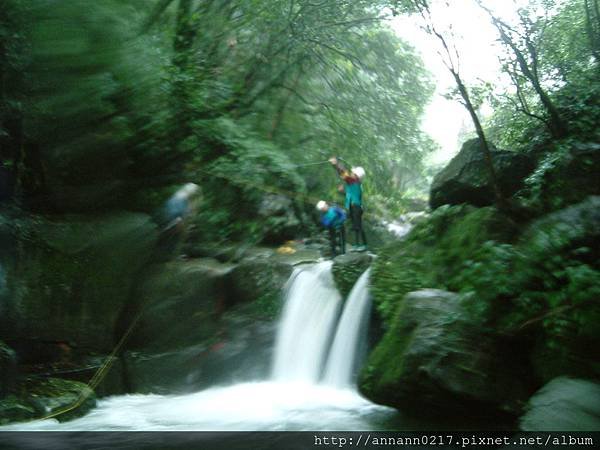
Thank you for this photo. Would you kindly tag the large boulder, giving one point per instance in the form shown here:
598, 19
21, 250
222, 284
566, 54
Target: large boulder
279, 219
466, 178
348, 268
259, 279
434, 360
240, 350
564, 404
172, 323
202, 323
178, 304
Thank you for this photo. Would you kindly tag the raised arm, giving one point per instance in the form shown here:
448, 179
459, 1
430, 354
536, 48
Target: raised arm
341, 170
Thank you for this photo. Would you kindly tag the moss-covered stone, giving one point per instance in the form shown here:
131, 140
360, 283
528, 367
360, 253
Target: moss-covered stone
259, 280
348, 268
51, 397
433, 359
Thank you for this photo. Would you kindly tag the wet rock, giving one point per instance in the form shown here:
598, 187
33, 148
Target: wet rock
204, 323
241, 350
38, 398
179, 304
466, 180
564, 404
348, 268
434, 360
259, 280
279, 219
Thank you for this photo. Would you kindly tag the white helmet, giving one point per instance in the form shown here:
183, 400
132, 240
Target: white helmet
359, 172
321, 205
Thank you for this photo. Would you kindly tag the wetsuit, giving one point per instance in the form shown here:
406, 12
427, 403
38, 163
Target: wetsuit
333, 219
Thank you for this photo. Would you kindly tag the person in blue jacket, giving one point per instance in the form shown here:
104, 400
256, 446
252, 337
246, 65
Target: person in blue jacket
333, 218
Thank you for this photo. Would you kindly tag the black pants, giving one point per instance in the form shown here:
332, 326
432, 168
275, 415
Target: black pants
356, 214
337, 236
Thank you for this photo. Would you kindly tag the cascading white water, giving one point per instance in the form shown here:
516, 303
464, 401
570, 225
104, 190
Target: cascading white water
311, 308
292, 400
341, 364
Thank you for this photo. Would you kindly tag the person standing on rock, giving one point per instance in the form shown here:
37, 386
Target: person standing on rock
333, 218
353, 190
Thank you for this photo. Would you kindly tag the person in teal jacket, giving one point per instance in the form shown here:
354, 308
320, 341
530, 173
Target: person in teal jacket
333, 218
354, 202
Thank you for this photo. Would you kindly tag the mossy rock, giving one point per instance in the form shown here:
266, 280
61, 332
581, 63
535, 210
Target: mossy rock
435, 253
348, 268
51, 397
567, 177
259, 280
433, 359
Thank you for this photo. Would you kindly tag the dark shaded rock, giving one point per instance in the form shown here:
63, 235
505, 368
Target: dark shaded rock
562, 252
37, 398
8, 369
569, 177
240, 351
69, 279
278, 218
466, 179
574, 230
348, 268
259, 279
179, 304
564, 404
434, 360
204, 323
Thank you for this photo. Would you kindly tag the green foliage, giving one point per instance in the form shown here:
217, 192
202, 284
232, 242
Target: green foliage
438, 253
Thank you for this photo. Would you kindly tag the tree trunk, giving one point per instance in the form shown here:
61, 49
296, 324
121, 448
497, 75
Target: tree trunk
502, 203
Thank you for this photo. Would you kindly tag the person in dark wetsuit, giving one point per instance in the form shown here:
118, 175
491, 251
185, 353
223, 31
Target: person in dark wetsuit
354, 204
333, 218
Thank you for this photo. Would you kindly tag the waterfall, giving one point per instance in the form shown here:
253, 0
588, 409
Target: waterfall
311, 309
296, 398
343, 358
310, 321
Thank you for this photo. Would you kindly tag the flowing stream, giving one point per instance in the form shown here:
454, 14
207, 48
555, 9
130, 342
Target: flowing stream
311, 387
